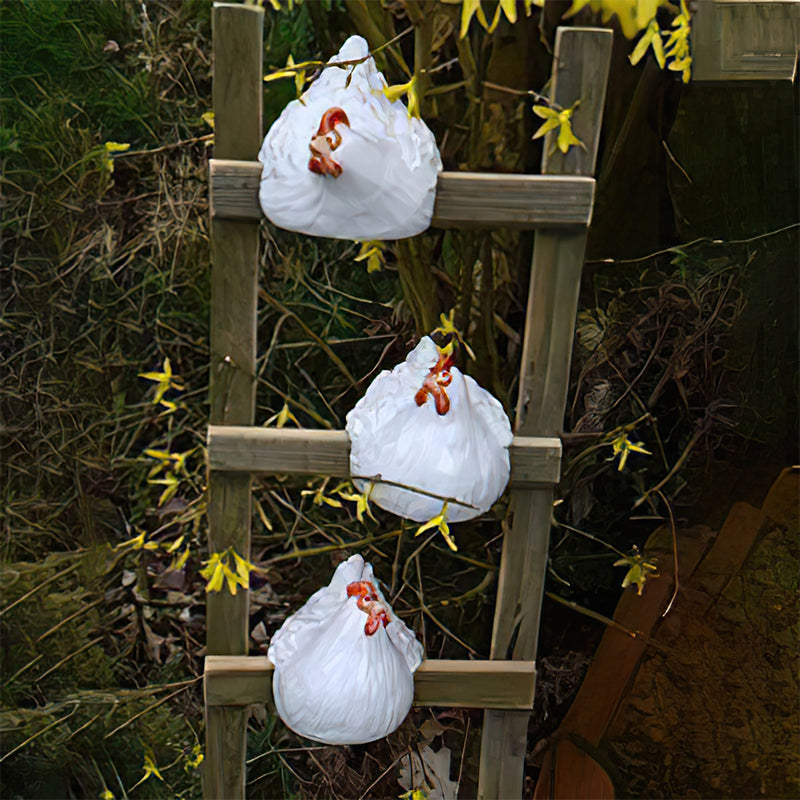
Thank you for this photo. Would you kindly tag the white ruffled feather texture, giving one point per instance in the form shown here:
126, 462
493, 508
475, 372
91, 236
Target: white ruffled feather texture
462, 454
389, 160
332, 682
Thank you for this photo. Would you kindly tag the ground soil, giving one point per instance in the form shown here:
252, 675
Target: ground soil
713, 711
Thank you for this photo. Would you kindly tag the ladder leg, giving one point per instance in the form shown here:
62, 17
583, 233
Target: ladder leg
238, 39
504, 743
519, 599
226, 746
580, 73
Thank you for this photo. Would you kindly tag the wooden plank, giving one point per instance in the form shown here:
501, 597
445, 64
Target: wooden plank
463, 199
737, 40
783, 499
568, 772
534, 460
616, 661
475, 684
233, 189
237, 680
226, 738
739, 533
580, 72
518, 201
279, 450
504, 747
244, 680
237, 109
237, 80
550, 324
237, 91
520, 582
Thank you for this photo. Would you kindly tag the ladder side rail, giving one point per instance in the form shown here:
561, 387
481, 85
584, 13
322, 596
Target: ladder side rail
237, 91
580, 72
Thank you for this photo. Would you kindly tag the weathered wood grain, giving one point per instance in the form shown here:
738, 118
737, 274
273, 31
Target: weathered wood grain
226, 738
570, 772
550, 323
616, 661
521, 584
580, 72
534, 460
463, 199
736, 40
237, 92
518, 201
233, 189
244, 680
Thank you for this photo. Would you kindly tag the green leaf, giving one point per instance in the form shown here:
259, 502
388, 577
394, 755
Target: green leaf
658, 49
164, 382
447, 328
372, 253
558, 119
243, 567
361, 501
577, 5
262, 515
172, 483
150, 770
509, 8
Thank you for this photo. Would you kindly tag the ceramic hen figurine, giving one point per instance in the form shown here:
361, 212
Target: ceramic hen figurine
427, 426
345, 162
344, 663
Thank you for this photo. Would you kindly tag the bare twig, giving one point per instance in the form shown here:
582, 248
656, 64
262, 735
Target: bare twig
674, 533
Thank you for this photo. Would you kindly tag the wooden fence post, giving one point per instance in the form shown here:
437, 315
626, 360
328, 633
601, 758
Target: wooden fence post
238, 40
580, 72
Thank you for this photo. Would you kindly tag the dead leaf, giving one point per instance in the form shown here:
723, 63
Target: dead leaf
430, 772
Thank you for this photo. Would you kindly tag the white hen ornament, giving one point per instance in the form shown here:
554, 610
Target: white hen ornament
427, 426
344, 663
346, 162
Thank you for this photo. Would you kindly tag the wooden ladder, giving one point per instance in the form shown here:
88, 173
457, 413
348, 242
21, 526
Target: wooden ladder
559, 204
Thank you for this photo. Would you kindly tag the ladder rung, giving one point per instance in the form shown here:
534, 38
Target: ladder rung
463, 199
487, 200
234, 448
509, 685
